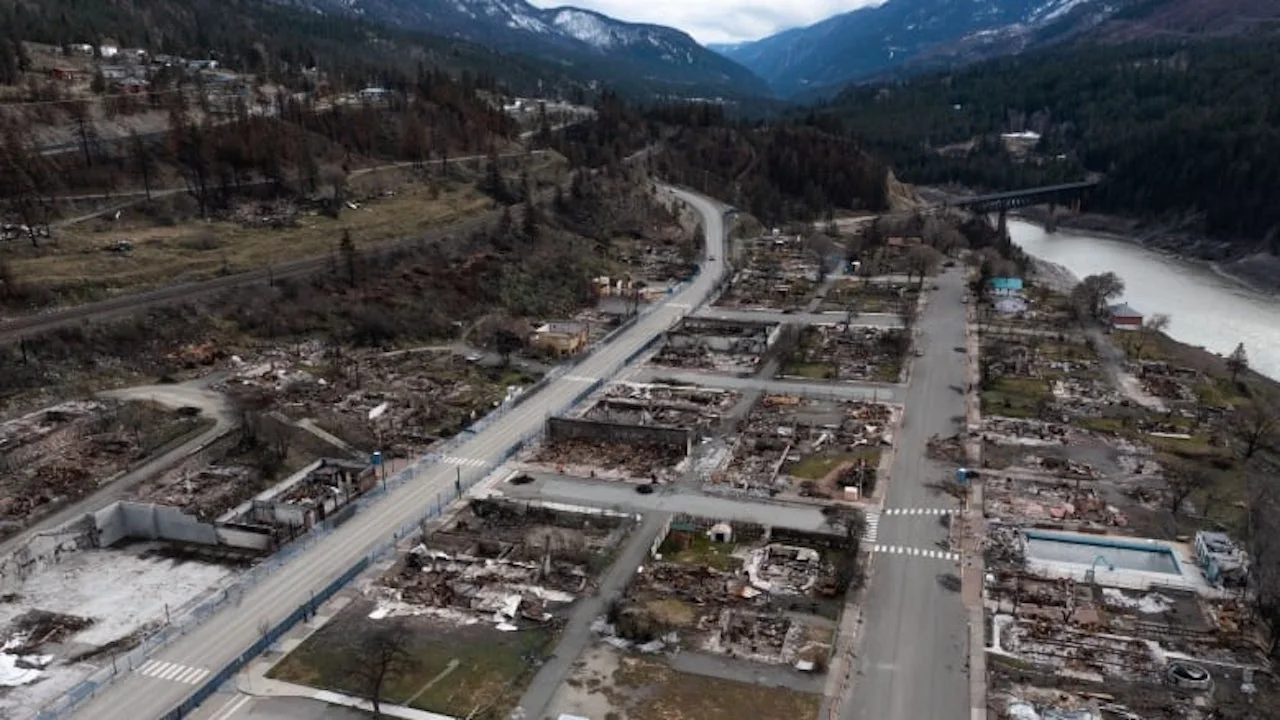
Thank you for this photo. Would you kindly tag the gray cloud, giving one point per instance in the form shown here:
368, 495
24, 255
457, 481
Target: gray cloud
710, 21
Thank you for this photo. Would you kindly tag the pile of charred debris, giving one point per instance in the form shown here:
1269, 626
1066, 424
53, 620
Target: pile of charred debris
1111, 652
663, 405
866, 296
842, 352
807, 446
402, 401
644, 462
510, 564
768, 599
779, 274
715, 345
62, 453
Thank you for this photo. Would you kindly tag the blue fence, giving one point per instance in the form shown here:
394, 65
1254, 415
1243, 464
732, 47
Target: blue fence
191, 617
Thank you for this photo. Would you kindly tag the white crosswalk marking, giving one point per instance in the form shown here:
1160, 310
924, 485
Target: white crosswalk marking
873, 526
465, 462
919, 511
915, 552
173, 672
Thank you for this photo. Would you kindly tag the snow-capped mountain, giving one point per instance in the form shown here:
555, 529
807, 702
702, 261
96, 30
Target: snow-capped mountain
875, 40
591, 45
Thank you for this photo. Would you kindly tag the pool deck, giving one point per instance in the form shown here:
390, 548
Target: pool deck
1189, 578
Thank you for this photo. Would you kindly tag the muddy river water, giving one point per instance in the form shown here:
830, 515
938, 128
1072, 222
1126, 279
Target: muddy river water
1206, 308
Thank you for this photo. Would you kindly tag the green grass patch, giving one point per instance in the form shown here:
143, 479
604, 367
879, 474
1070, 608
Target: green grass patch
455, 670
889, 372
1016, 397
1058, 352
700, 552
1219, 392
1107, 425
816, 467
1196, 448
810, 370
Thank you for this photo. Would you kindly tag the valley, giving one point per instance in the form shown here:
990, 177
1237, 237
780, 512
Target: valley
481, 360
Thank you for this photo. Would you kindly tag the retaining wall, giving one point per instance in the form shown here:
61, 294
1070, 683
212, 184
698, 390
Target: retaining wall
565, 428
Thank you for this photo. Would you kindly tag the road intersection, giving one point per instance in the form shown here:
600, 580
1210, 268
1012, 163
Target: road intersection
910, 650
229, 633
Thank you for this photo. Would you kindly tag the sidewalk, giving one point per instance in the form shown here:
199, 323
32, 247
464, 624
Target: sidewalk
974, 528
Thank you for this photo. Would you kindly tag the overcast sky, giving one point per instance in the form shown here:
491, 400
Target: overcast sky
712, 21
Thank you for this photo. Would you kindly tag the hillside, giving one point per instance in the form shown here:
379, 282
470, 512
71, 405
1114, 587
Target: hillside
780, 172
254, 36
637, 59
1185, 134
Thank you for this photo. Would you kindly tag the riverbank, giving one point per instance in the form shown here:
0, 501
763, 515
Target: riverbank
1060, 280
1259, 271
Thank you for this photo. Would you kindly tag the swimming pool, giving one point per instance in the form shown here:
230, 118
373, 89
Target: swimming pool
1121, 554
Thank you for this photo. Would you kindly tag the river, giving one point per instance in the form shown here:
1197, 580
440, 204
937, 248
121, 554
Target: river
1205, 308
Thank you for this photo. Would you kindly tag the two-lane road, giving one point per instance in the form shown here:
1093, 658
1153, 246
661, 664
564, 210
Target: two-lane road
226, 635
912, 652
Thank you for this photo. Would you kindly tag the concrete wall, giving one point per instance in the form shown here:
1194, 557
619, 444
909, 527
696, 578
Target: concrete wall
148, 521
564, 428
44, 550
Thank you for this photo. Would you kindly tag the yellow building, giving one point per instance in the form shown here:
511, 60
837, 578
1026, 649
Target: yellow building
560, 338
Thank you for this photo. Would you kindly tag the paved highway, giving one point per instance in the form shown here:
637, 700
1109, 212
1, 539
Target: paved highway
911, 655
227, 634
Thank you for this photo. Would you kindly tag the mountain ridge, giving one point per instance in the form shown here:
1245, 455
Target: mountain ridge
870, 41
588, 43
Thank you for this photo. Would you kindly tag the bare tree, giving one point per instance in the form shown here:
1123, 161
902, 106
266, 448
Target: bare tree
1154, 325
1181, 481
1095, 291
922, 260
1237, 362
380, 654
1255, 426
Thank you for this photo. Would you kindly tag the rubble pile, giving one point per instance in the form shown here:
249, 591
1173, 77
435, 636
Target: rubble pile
763, 611
662, 405
714, 345
510, 565
782, 433
850, 353
1169, 382
778, 275
1064, 502
861, 296
1018, 431
206, 492
66, 451
416, 397
631, 462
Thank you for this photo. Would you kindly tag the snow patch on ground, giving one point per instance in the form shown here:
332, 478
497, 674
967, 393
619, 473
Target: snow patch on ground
585, 27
